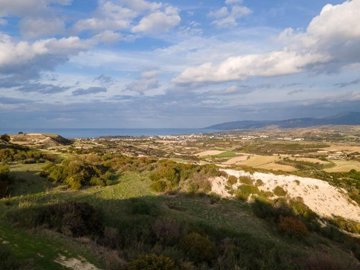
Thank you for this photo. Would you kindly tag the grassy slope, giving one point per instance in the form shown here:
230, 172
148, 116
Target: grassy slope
43, 247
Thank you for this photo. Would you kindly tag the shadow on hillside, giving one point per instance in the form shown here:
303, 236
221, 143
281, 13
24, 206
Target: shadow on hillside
193, 230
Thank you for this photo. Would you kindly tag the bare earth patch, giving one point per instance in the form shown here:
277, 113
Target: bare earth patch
318, 195
75, 263
209, 153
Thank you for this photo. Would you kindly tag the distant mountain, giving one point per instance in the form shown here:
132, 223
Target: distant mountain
351, 118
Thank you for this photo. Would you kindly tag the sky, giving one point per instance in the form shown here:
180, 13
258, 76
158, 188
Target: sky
175, 64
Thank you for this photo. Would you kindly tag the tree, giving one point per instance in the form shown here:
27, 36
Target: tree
5, 138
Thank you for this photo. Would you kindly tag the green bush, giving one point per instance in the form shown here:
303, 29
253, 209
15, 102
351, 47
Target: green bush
152, 262
246, 180
199, 248
140, 207
159, 186
71, 218
232, 180
279, 191
7, 259
25, 155
244, 191
77, 173
5, 180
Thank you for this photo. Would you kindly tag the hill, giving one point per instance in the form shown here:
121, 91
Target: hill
351, 118
39, 139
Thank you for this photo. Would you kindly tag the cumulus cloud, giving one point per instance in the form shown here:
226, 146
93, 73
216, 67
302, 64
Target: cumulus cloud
228, 15
109, 16
158, 21
89, 91
138, 16
30, 58
330, 42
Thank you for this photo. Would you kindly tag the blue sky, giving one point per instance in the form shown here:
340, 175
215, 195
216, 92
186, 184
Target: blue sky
142, 63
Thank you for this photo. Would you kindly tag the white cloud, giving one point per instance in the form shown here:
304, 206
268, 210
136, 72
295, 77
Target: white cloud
107, 36
28, 7
140, 16
19, 57
228, 16
331, 41
158, 21
109, 16
37, 27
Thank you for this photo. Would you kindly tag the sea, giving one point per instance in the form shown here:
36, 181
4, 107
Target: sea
72, 133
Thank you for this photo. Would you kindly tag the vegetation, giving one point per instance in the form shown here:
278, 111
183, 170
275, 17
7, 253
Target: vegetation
152, 262
7, 259
77, 173
6, 180
120, 221
23, 155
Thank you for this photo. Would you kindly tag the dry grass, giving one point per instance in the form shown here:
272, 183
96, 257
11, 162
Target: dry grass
344, 166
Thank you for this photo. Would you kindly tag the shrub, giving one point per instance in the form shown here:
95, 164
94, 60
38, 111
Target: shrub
232, 180
198, 247
5, 180
246, 180
244, 191
292, 226
71, 218
77, 173
140, 207
324, 261
152, 262
5, 138
7, 259
167, 230
159, 186
279, 191
301, 209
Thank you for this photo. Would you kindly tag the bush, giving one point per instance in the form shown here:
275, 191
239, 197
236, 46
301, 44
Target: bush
246, 180
77, 173
152, 262
244, 191
324, 261
5, 138
71, 218
159, 186
279, 191
292, 226
198, 247
167, 230
7, 259
140, 207
232, 180
5, 180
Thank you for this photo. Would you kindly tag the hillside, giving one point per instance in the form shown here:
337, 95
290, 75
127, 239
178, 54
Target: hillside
39, 139
351, 118
180, 204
